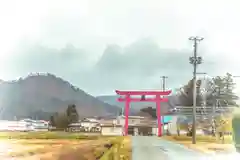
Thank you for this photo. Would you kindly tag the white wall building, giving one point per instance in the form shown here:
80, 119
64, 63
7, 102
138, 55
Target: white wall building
14, 126
111, 130
88, 124
137, 125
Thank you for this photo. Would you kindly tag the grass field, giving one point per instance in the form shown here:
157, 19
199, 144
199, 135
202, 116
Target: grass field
52, 146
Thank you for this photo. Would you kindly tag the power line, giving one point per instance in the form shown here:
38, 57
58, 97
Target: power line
195, 60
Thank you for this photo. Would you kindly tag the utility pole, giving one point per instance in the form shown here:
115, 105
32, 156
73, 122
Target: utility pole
195, 60
164, 82
163, 88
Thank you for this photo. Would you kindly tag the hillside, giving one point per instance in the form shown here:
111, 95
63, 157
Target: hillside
41, 95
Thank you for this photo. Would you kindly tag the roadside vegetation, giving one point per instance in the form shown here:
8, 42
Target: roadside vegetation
206, 144
46, 135
120, 150
54, 145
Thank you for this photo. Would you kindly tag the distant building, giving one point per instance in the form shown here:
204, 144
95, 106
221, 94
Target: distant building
36, 125
85, 125
14, 126
90, 124
75, 127
137, 125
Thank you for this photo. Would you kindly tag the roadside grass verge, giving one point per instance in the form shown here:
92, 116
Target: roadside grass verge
121, 149
45, 135
199, 138
57, 145
206, 144
125, 150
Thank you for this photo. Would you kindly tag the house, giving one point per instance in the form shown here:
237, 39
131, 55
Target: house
137, 125
90, 124
14, 126
111, 130
40, 125
85, 125
75, 127
36, 125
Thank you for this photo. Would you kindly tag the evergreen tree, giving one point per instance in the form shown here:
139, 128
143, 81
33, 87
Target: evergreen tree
72, 113
52, 121
186, 95
218, 92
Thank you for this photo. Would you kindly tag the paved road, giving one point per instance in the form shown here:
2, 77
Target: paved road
154, 148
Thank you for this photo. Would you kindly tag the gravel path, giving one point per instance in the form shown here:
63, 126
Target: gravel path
155, 148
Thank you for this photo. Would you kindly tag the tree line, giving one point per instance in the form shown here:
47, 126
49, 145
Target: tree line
216, 92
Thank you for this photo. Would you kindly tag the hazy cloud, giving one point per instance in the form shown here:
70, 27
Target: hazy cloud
101, 45
136, 66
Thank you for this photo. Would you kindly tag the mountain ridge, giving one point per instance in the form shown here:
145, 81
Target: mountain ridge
47, 93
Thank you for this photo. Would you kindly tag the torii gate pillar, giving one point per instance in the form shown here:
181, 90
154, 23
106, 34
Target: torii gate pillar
158, 99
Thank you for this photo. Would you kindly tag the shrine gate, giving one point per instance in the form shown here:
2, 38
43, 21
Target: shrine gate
158, 99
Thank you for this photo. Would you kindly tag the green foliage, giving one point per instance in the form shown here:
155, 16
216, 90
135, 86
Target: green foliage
62, 120
52, 121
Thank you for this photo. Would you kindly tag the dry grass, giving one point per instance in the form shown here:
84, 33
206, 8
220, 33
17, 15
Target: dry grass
120, 150
204, 144
125, 150
54, 149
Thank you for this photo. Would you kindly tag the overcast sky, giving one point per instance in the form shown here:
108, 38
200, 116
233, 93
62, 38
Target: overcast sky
103, 45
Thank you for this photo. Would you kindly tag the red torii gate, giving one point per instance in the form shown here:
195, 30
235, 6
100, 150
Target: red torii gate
158, 99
